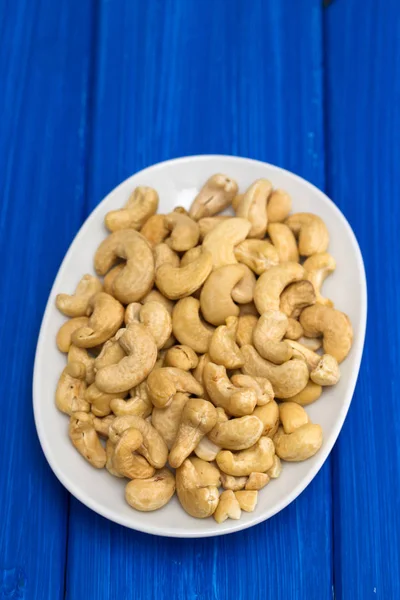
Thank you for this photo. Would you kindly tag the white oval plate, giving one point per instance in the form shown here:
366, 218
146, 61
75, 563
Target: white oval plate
177, 182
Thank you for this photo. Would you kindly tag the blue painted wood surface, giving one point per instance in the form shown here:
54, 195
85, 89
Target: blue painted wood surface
93, 91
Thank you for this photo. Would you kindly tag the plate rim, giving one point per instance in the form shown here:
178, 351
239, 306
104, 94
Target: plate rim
358, 348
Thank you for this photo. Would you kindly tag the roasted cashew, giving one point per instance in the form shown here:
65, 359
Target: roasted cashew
81, 355
198, 501
279, 206
247, 499
64, 335
248, 309
214, 196
258, 255
221, 240
188, 327
233, 483
154, 316
216, 296
287, 379
236, 401
284, 242
155, 230
271, 284
125, 459
237, 434
317, 268
334, 326
223, 349
206, 450
294, 330
85, 439
300, 445
228, 507
105, 320
141, 205
257, 481
110, 451
191, 255
197, 419
313, 344
269, 416
297, 296
111, 352
137, 277
102, 425
311, 231
303, 353
139, 405
109, 279
164, 255
253, 206
71, 389
181, 357
152, 446
326, 372
260, 385
99, 400
165, 382
185, 232
292, 416
268, 334
308, 395
208, 223
276, 469
167, 420
246, 325
183, 281
243, 292
77, 304
259, 457
151, 494
207, 473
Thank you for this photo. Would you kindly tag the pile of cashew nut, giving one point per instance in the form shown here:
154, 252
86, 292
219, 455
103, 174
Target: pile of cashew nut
191, 361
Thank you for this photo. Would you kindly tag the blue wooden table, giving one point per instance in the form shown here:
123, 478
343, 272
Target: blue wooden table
92, 91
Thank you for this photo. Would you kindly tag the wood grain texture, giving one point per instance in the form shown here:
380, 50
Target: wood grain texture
44, 66
174, 78
363, 134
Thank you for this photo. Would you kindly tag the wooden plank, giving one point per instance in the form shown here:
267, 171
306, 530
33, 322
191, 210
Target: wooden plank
363, 157
44, 67
175, 78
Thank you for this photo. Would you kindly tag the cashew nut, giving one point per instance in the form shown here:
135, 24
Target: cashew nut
151, 494
102, 425
185, 232
125, 459
111, 352
260, 385
179, 282
85, 439
311, 231
279, 206
81, 355
110, 278
303, 353
294, 330
246, 325
208, 223
236, 401
292, 416
181, 357
137, 277
326, 372
188, 327
139, 405
308, 395
223, 349
77, 304
64, 335
105, 320
156, 296
164, 255
152, 446
276, 469
154, 316
99, 400
253, 206
198, 418
207, 473
206, 450
287, 379
247, 499
297, 296
243, 291
257, 458
237, 434
198, 501
214, 196
155, 230
268, 334
300, 445
257, 481
258, 255
110, 451
142, 204
269, 416
271, 284
317, 268
165, 382
71, 388
221, 240
167, 420
313, 344
216, 296
284, 242
228, 507
232, 483
334, 326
